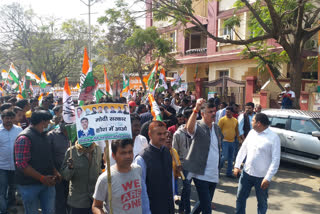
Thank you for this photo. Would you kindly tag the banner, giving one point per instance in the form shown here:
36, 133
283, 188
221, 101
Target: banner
104, 121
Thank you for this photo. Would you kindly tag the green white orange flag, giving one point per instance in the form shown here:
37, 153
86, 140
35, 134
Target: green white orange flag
68, 110
31, 89
4, 74
19, 97
40, 98
43, 81
155, 110
86, 77
32, 76
24, 88
14, 74
176, 83
162, 83
153, 76
125, 89
107, 82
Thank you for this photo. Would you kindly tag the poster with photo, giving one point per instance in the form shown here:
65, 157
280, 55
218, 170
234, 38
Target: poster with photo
104, 121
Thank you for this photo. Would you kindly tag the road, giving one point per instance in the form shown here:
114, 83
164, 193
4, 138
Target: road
294, 190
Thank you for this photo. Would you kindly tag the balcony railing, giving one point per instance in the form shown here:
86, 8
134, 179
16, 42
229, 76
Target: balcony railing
196, 51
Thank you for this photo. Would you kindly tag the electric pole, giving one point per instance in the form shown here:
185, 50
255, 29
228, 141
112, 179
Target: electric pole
89, 5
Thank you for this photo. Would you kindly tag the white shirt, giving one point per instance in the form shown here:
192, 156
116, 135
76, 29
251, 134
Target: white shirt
263, 154
211, 173
293, 95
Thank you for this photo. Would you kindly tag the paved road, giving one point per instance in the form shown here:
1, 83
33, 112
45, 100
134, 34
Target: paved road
294, 190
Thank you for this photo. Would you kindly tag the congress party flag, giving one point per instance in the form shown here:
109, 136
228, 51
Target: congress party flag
14, 74
125, 89
155, 110
107, 82
4, 74
43, 81
152, 77
86, 78
162, 83
32, 76
176, 83
68, 106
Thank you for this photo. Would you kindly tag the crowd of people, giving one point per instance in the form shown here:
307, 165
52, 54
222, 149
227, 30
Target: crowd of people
43, 169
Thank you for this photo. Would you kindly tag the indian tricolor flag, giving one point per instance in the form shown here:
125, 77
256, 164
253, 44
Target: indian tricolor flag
125, 89
68, 111
155, 110
4, 74
86, 78
153, 76
43, 81
42, 95
32, 76
107, 82
14, 74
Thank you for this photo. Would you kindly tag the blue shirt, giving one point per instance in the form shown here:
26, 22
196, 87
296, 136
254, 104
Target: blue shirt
241, 123
7, 139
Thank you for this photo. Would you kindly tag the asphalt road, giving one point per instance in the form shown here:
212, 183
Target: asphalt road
294, 190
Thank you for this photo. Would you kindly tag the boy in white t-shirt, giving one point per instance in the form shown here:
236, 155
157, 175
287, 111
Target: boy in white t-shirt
125, 182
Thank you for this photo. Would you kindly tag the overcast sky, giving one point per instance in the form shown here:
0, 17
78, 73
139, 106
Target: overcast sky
67, 9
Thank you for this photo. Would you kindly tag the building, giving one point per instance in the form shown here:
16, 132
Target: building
220, 67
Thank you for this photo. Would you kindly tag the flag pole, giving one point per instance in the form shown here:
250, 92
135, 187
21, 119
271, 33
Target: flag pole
177, 163
109, 176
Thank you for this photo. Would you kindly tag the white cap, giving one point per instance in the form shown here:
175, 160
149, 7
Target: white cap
287, 85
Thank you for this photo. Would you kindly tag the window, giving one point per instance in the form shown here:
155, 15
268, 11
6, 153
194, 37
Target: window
278, 122
303, 126
228, 31
223, 73
173, 41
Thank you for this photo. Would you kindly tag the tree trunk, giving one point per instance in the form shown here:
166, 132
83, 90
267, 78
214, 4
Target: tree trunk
141, 78
295, 70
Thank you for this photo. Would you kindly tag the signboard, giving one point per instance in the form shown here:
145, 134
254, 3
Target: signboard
105, 121
211, 94
135, 82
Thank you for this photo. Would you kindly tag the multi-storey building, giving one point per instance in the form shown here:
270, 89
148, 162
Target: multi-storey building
220, 66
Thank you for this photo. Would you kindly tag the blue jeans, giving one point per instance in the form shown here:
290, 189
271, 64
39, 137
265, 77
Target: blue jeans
205, 190
7, 189
33, 194
246, 182
227, 154
185, 195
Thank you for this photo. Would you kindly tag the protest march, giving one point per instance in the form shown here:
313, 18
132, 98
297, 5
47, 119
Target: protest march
137, 153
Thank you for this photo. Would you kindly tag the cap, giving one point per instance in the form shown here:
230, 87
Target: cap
287, 85
167, 99
132, 103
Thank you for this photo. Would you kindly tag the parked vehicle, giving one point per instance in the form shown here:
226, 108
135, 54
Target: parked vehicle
299, 132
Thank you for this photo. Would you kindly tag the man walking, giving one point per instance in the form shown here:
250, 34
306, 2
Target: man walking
202, 160
36, 174
126, 182
262, 150
229, 127
245, 120
157, 176
8, 134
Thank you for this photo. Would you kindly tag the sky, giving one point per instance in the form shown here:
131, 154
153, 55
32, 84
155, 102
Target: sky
67, 9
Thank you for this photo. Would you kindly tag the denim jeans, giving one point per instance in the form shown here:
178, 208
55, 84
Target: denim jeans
227, 154
7, 189
205, 192
33, 194
185, 195
246, 182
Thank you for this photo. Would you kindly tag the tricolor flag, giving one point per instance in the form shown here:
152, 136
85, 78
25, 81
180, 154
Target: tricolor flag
4, 74
31, 89
24, 88
43, 81
107, 82
14, 74
19, 97
69, 115
153, 76
42, 95
32, 76
86, 78
162, 83
176, 83
155, 110
125, 89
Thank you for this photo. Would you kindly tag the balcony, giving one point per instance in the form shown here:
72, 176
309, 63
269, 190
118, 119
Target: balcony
196, 52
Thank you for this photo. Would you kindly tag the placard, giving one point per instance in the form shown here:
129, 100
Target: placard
104, 121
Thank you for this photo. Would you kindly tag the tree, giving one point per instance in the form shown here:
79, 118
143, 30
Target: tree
126, 45
41, 44
290, 22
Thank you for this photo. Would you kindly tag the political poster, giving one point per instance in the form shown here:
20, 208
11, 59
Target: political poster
104, 121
